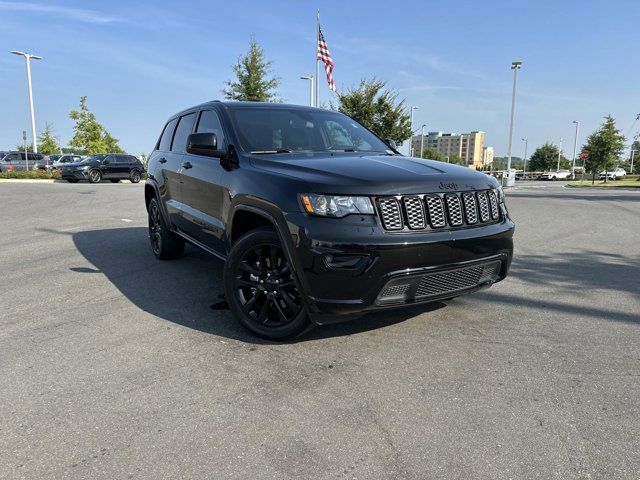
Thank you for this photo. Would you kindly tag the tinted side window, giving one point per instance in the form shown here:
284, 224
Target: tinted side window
210, 123
122, 159
184, 128
165, 140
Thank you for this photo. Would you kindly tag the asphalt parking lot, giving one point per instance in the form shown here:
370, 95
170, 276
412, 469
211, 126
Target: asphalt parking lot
113, 365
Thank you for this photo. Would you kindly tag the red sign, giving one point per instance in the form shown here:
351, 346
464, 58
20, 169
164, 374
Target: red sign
584, 155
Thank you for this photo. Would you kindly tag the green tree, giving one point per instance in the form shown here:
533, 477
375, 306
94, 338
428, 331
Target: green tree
89, 136
252, 82
604, 147
546, 158
378, 109
433, 154
46, 141
456, 160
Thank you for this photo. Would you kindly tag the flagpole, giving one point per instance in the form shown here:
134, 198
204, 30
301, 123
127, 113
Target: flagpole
316, 57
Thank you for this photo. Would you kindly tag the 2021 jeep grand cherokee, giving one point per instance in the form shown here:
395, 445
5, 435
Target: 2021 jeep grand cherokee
317, 219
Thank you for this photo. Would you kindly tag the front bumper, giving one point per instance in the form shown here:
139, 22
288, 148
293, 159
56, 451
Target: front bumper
346, 265
75, 174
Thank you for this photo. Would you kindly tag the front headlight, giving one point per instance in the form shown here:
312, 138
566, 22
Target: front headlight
336, 206
500, 194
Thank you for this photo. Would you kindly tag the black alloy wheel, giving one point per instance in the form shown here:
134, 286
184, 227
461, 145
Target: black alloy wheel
135, 176
164, 243
260, 287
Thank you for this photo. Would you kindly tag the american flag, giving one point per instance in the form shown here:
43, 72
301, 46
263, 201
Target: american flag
325, 57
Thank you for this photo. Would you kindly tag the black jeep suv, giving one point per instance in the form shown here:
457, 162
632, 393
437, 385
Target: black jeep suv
112, 166
317, 219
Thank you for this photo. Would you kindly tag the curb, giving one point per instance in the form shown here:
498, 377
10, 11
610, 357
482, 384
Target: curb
630, 189
27, 180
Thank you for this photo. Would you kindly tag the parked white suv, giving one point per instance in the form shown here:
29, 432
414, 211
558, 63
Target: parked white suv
556, 175
615, 174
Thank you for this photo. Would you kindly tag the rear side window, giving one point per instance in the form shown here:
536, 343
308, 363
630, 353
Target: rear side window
165, 140
210, 123
184, 128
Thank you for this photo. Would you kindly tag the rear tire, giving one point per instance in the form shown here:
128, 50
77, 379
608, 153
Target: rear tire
135, 177
260, 287
165, 244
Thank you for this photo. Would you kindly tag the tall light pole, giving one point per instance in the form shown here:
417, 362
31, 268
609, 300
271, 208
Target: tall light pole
575, 148
27, 58
515, 66
559, 154
310, 89
422, 140
524, 166
632, 154
411, 126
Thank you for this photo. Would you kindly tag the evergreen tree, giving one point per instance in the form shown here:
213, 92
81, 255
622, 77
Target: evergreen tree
604, 147
46, 141
378, 109
90, 137
252, 78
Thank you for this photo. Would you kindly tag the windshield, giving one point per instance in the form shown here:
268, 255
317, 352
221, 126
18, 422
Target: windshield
281, 130
93, 158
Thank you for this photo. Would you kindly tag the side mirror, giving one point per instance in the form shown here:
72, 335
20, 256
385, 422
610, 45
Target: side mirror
392, 143
204, 144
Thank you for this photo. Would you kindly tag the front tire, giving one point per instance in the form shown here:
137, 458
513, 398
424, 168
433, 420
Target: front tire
165, 244
260, 287
95, 176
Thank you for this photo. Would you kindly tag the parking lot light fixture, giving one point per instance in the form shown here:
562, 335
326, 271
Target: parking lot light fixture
27, 58
559, 154
310, 78
515, 66
575, 149
411, 127
422, 140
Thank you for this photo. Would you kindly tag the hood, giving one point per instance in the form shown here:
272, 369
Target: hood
78, 164
372, 174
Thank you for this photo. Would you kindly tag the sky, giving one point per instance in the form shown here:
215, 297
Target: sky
139, 62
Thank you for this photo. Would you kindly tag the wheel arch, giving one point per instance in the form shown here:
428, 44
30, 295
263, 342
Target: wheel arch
265, 215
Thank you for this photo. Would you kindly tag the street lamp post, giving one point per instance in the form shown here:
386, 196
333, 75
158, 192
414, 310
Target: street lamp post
28, 57
575, 148
422, 140
515, 66
310, 88
559, 154
524, 165
411, 126
632, 155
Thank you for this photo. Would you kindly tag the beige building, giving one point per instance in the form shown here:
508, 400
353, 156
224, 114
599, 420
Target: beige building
468, 146
487, 156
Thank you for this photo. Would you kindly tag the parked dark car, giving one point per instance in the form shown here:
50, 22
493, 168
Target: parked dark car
17, 161
112, 166
317, 219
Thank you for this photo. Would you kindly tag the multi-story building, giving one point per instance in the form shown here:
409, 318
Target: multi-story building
468, 146
430, 141
487, 156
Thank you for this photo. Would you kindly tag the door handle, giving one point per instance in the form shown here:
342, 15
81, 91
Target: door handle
186, 165
163, 160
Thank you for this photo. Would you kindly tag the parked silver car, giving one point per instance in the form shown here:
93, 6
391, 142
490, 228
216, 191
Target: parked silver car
17, 161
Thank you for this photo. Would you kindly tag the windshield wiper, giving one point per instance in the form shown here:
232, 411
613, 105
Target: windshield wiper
342, 149
267, 152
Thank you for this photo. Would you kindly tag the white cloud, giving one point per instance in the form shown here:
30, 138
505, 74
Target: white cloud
81, 15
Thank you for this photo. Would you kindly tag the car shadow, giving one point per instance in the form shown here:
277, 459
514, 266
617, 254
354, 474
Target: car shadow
185, 291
